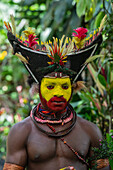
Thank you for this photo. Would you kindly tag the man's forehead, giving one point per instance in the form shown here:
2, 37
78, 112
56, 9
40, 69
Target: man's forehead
61, 80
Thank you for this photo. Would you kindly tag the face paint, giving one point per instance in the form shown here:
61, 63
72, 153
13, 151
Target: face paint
55, 93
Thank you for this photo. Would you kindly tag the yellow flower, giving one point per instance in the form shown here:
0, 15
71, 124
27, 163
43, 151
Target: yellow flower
2, 55
25, 101
29, 31
79, 43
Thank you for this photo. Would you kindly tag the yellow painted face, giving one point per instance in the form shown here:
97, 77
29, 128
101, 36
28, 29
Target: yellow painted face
51, 87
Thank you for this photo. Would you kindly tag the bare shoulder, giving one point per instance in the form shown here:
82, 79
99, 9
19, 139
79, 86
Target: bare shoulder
20, 130
87, 124
91, 129
17, 141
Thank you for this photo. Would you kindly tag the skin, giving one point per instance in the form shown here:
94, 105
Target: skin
27, 146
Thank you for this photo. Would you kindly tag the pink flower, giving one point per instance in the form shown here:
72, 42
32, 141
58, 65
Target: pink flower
80, 32
31, 40
21, 100
19, 89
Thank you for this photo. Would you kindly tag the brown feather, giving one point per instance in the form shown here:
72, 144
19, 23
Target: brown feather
78, 86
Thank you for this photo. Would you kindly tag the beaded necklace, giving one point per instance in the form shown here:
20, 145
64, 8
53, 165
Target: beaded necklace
42, 117
57, 134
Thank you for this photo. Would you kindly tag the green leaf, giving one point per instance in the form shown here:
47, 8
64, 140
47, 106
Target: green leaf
102, 80
111, 93
90, 59
90, 11
110, 90
89, 14
14, 95
94, 76
111, 162
99, 19
6, 131
102, 64
75, 104
108, 73
13, 24
88, 4
2, 149
111, 85
81, 7
111, 79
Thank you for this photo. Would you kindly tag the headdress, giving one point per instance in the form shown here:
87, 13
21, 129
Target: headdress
66, 55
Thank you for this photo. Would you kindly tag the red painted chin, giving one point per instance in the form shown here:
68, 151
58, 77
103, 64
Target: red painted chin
55, 104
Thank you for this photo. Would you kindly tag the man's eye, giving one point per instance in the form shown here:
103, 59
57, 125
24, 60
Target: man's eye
65, 87
50, 87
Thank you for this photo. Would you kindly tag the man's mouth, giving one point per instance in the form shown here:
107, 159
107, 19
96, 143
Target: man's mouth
58, 101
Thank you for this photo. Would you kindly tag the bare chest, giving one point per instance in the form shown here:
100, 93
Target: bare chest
41, 148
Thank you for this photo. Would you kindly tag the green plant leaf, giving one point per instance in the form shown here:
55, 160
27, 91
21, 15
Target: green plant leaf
90, 59
102, 80
99, 19
104, 62
111, 79
111, 162
81, 7
108, 73
13, 24
111, 93
88, 4
90, 11
88, 15
94, 76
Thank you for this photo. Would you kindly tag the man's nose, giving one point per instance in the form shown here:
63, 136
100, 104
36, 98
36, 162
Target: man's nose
58, 92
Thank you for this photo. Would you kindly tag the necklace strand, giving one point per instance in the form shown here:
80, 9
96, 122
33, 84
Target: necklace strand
56, 134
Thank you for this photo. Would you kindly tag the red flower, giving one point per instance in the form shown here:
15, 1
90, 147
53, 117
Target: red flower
32, 40
80, 32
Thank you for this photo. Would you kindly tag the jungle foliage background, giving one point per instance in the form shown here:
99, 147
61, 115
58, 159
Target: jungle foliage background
55, 18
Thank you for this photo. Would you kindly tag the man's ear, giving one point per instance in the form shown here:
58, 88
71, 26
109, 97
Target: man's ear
77, 86
34, 89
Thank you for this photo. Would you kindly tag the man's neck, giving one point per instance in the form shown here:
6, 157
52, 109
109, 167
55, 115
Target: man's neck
47, 114
58, 115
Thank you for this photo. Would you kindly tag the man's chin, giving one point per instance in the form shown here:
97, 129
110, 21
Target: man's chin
56, 107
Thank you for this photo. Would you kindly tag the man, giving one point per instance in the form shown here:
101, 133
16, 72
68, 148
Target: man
52, 137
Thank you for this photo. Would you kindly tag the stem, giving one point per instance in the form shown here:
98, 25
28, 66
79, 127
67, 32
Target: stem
110, 122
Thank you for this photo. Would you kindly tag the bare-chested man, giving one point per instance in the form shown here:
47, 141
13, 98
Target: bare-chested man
53, 137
